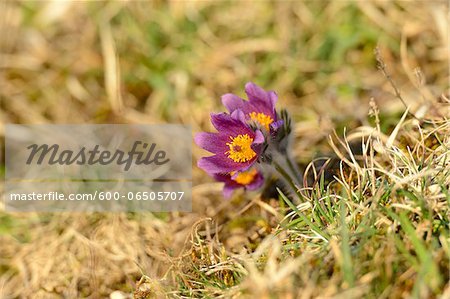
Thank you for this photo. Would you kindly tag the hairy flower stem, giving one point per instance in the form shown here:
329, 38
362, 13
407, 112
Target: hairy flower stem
295, 171
285, 168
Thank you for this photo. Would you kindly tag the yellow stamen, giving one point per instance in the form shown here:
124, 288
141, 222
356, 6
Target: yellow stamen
245, 177
263, 119
240, 148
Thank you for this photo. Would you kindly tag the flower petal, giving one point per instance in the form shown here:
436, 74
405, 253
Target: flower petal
223, 122
258, 181
273, 97
260, 100
259, 137
276, 125
239, 115
212, 142
220, 163
229, 186
232, 102
228, 191
228, 125
256, 93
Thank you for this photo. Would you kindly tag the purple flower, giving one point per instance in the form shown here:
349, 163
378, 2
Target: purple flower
260, 108
251, 179
236, 147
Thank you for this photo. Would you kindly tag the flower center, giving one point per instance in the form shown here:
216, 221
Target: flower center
240, 148
245, 177
261, 118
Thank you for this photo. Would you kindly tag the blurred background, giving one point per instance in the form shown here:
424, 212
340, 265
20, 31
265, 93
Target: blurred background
169, 62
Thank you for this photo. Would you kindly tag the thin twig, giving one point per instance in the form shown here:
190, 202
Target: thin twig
382, 67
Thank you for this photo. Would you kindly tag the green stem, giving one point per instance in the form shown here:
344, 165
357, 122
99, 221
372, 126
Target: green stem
294, 170
288, 178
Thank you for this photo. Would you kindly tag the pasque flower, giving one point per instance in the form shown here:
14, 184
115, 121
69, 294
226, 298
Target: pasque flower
251, 179
259, 109
252, 132
236, 146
